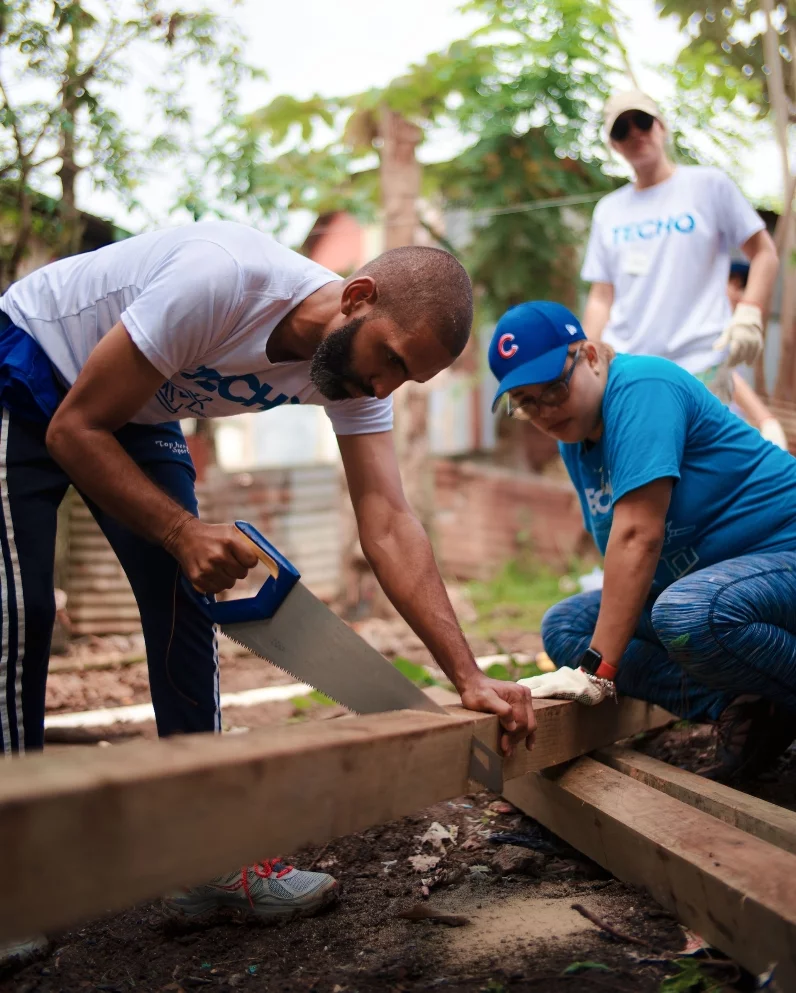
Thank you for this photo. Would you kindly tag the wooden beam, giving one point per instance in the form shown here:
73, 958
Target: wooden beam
764, 820
122, 824
731, 888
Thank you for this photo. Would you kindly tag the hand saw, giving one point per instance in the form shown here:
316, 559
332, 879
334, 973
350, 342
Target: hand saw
285, 624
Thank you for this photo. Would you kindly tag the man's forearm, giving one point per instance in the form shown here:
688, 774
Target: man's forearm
99, 467
404, 564
630, 563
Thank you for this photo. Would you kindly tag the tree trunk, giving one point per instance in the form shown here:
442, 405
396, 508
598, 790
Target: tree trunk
400, 175
71, 236
400, 178
72, 226
778, 99
23, 232
400, 190
783, 240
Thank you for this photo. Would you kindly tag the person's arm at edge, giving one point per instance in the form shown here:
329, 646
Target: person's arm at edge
598, 309
757, 413
631, 557
750, 403
763, 267
398, 550
115, 383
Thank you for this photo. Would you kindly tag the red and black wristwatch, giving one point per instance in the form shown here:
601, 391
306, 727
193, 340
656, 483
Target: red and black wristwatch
592, 662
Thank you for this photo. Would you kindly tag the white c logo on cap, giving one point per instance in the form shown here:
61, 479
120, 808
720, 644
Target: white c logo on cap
505, 350
571, 328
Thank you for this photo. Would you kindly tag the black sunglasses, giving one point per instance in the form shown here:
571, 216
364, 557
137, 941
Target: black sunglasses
621, 128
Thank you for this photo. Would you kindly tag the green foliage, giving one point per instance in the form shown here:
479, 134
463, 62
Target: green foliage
519, 253
313, 699
690, 978
722, 79
494, 986
62, 59
524, 91
413, 672
513, 671
516, 598
577, 967
722, 69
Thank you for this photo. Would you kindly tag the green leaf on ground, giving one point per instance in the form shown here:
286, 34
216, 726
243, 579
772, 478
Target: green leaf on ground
498, 671
576, 967
413, 672
302, 703
690, 979
512, 671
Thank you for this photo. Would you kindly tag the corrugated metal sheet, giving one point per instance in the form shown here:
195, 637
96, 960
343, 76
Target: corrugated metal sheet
100, 600
297, 508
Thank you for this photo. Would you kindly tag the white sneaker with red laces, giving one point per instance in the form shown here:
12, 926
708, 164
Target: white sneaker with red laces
270, 889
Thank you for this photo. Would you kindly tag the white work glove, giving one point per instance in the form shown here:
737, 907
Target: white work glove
570, 684
772, 431
743, 336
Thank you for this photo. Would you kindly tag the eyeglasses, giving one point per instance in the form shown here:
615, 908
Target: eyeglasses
621, 129
553, 395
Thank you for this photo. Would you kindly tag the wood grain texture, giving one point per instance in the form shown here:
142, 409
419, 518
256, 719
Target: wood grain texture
733, 889
122, 824
764, 820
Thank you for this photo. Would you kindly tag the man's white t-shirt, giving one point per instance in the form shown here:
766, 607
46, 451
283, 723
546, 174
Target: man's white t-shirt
200, 302
666, 250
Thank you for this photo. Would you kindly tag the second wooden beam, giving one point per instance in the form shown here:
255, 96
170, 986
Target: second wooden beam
734, 890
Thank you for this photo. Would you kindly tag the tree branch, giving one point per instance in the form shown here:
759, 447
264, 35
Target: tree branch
14, 124
105, 55
42, 132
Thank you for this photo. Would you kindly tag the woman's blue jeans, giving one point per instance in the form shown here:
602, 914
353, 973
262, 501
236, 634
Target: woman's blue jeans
720, 632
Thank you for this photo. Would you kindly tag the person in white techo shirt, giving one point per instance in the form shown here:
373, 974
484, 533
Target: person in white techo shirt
658, 257
101, 355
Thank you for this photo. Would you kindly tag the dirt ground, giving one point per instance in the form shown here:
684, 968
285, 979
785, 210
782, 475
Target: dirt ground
519, 932
512, 932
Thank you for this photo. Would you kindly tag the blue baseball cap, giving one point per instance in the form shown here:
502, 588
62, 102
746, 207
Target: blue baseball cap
530, 344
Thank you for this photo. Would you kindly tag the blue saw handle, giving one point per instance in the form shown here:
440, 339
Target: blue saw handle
271, 596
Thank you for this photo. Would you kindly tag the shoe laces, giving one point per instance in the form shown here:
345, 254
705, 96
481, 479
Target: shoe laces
265, 869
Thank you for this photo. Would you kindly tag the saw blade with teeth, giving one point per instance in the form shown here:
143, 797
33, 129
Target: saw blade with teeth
277, 666
310, 642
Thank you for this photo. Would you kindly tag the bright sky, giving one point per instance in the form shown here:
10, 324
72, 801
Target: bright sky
343, 47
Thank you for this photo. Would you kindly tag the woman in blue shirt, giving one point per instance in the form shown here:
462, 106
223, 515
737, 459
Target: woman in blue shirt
696, 517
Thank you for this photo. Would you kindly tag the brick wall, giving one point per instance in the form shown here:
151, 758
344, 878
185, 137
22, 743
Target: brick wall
486, 516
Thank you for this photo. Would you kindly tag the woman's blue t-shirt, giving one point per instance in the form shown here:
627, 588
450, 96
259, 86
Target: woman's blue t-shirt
734, 493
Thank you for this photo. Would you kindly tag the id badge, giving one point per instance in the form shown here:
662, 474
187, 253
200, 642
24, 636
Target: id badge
636, 262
